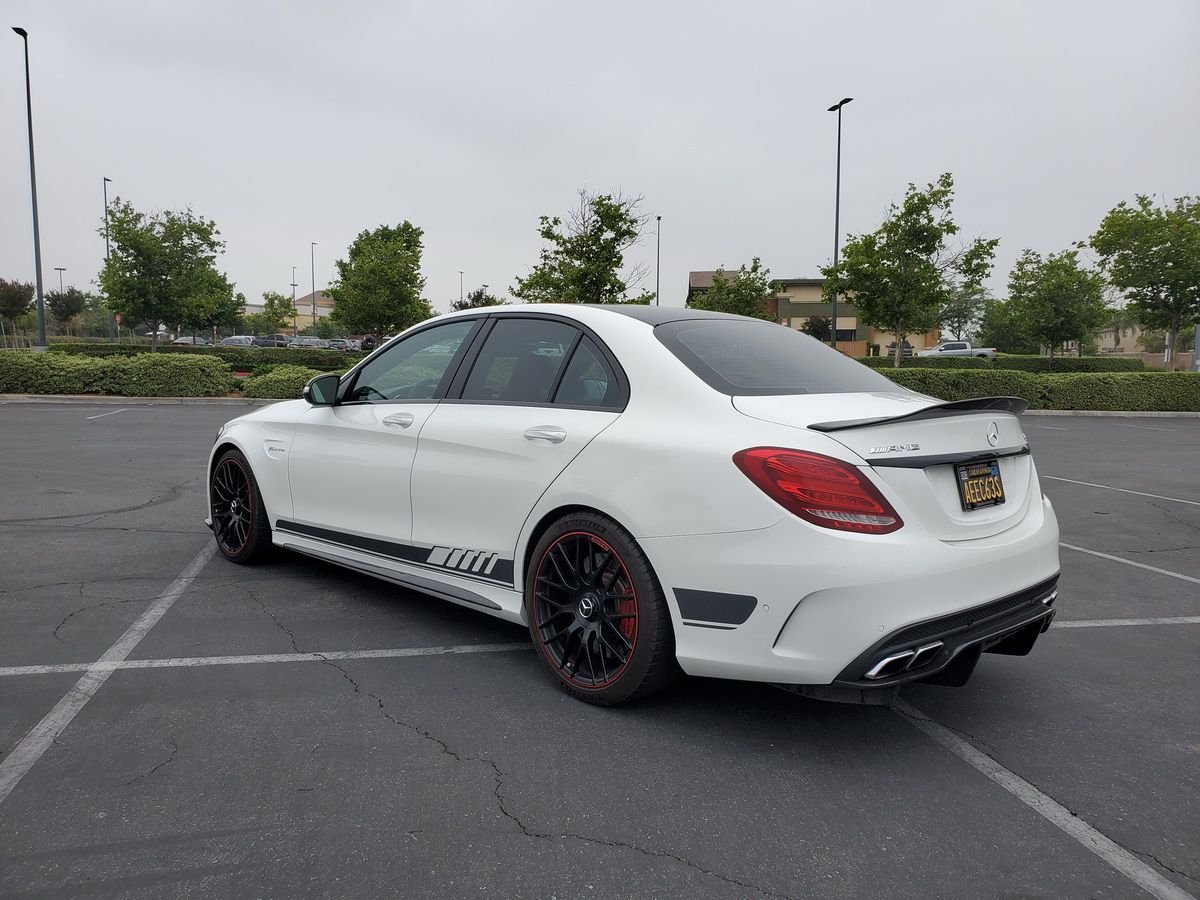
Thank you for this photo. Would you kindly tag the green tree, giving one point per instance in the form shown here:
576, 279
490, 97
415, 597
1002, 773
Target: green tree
745, 293
1058, 299
379, 285
819, 327
1004, 327
584, 260
477, 298
212, 304
961, 314
16, 297
162, 268
905, 272
1152, 253
65, 305
277, 312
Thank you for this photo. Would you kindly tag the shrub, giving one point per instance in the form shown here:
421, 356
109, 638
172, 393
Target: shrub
1135, 391
243, 359
281, 383
928, 362
1070, 363
142, 376
964, 384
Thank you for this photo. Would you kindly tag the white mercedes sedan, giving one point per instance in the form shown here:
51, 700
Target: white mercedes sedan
657, 490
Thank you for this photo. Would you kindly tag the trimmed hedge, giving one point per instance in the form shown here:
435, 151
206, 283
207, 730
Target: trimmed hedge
927, 362
1070, 363
139, 376
965, 384
281, 383
241, 358
1129, 391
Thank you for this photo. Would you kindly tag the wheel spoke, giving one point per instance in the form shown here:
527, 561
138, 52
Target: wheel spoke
621, 637
558, 569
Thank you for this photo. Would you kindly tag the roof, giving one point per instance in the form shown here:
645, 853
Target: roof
323, 299
702, 280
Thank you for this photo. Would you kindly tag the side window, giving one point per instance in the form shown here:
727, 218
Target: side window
519, 361
588, 380
412, 368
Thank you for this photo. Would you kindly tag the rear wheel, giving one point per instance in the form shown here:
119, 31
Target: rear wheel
239, 520
597, 613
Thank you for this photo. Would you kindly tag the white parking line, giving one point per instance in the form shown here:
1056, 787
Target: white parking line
1147, 427
42, 735
1048, 427
1130, 562
1114, 623
102, 415
1109, 487
1141, 874
314, 656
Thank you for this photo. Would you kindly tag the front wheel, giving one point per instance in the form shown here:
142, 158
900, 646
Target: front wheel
597, 614
239, 521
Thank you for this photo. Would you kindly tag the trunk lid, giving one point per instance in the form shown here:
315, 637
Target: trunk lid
913, 444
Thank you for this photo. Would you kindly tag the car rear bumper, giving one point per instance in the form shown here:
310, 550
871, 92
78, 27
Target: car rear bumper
796, 605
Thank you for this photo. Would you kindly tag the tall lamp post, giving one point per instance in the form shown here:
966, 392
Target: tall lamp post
837, 212
37, 237
60, 270
460, 286
106, 245
313, 263
657, 257
293, 301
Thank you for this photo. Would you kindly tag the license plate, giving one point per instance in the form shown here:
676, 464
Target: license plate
979, 484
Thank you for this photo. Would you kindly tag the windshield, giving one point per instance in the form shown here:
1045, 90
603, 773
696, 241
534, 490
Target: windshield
749, 358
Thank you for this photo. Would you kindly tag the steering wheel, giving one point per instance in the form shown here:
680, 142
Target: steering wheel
365, 392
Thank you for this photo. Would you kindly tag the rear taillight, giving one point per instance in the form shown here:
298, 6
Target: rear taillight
819, 489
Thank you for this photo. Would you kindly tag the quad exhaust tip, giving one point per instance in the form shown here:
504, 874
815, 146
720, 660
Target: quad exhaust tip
903, 661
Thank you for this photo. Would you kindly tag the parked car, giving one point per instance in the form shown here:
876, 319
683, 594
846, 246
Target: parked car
340, 344
905, 350
308, 343
958, 348
238, 340
679, 490
189, 341
273, 340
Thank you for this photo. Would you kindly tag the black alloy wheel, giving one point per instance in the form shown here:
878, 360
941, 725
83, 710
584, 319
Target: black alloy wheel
239, 521
597, 613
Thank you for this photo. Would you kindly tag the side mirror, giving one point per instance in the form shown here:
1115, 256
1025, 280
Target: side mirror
322, 390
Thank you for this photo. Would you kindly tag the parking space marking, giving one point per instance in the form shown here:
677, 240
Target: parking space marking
1125, 862
1048, 427
254, 659
1113, 623
1109, 487
1130, 562
23, 757
102, 415
1147, 427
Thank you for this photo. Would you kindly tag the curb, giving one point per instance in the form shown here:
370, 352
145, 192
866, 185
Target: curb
1107, 412
108, 400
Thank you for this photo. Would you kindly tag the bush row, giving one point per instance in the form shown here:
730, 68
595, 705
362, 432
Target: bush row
279, 383
137, 376
1131, 391
1015, 363
242, 359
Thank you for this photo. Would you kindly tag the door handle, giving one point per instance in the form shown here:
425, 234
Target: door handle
399, 420
549, 433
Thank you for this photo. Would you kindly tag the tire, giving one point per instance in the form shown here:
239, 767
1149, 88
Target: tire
240, 526
596, 612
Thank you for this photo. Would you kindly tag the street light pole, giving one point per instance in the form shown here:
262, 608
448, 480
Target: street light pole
37, 237
657, 257
293, 301
837, 225
60, 270
313, 262
460, 286
106, 250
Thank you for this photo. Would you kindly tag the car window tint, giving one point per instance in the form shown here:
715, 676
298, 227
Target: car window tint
588, 380
412, 368
519, 361
746, 357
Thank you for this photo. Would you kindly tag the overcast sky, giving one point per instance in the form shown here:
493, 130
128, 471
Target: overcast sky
293, 122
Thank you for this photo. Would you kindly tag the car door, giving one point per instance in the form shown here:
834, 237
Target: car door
351, 463
537, 392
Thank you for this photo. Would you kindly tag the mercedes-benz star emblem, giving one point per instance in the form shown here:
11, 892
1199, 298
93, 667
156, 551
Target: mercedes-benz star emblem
993, 433
587, 606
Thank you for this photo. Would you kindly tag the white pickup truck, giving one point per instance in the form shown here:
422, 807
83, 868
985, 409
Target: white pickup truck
958, 348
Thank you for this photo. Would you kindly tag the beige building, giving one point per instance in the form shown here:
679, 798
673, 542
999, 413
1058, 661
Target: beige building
304, 311
799, 299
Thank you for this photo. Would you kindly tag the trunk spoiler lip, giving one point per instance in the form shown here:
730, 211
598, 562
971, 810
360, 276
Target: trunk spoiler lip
1013, 405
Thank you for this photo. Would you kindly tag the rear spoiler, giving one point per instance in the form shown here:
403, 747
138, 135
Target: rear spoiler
1014, 405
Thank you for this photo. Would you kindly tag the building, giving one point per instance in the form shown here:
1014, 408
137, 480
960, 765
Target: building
800, 299
304, 311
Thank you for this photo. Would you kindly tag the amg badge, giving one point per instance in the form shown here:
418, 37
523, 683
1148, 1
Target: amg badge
893, 448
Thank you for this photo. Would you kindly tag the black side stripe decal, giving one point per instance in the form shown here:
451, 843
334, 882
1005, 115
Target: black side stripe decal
477, 564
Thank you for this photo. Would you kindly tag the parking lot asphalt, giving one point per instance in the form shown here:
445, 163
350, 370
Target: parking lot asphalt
295, 729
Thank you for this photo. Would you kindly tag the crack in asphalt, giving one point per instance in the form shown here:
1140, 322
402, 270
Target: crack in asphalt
36, 526
166, 762
1170, 515
171, 493
71, 615
497, 774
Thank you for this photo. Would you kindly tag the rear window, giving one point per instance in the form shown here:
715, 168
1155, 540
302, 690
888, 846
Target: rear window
750, 358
